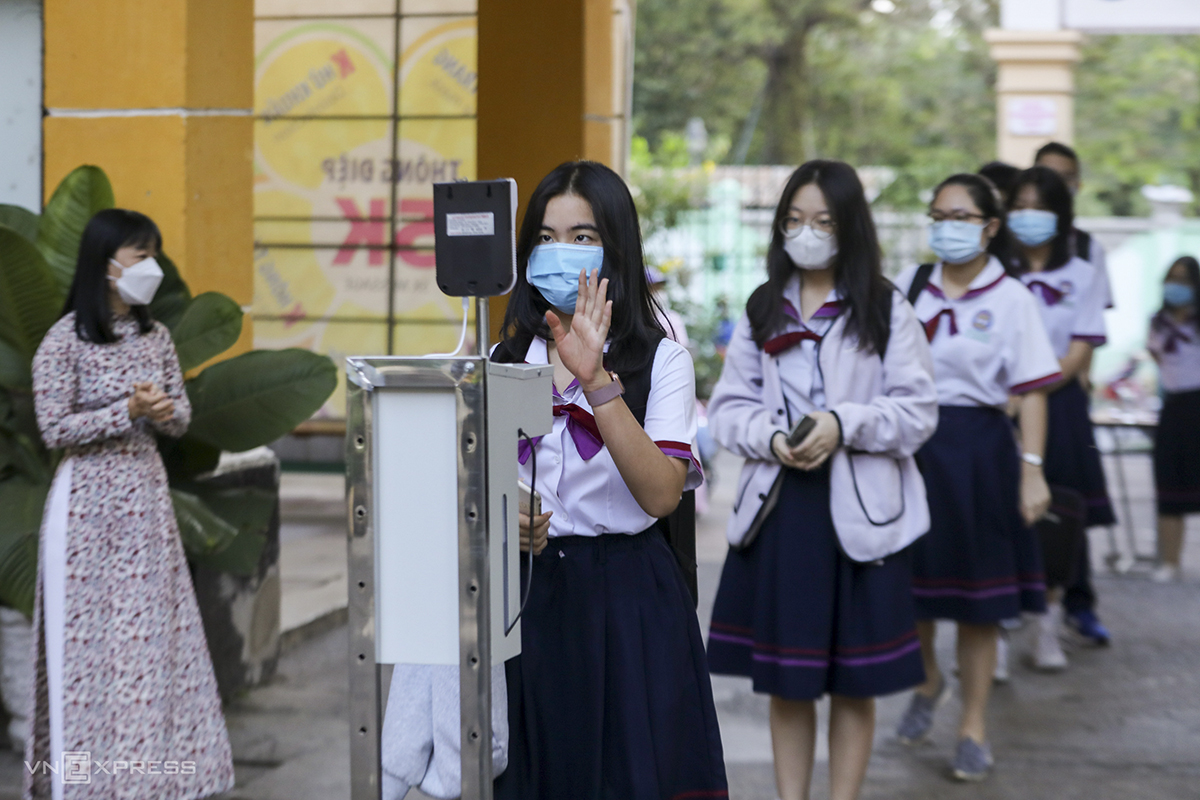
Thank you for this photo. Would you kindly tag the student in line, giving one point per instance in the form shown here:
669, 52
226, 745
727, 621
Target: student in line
1174, 342
610, 698
122, 667
819, 602
1002, 175
1081, 598
980, 563
1070, 294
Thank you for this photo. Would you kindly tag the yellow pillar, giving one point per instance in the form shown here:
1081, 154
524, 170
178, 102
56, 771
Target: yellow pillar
158, 93
549, 92
1035, 90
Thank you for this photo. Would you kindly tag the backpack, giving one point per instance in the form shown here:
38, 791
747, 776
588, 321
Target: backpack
679, 528
920, 281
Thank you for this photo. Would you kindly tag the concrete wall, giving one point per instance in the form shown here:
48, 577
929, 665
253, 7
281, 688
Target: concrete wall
21, 103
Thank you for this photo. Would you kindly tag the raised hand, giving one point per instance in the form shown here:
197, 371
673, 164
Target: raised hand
581, 348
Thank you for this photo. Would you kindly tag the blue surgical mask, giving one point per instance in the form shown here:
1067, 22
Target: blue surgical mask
956, 241
1177, 295
1032, 226
554, 271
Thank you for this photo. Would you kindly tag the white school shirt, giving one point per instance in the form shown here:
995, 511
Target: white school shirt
799, 375
1177, 347
590, 498
986, 345
1071, 299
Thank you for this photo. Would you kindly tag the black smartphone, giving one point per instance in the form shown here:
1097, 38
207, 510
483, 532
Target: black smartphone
801, 430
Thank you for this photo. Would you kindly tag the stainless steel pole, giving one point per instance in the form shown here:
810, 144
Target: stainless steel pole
474, 615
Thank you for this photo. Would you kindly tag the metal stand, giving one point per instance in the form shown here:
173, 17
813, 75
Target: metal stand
474, 614
432, 497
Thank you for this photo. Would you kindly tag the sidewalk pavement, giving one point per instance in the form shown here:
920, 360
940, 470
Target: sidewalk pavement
1122, 722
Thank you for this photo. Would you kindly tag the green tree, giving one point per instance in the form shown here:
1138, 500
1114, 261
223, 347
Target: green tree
1137, 119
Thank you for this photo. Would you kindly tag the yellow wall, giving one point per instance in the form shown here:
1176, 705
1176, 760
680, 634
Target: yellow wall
546, 92
168, 86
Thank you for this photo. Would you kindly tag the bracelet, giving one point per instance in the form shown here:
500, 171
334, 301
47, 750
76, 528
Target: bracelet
1031, 459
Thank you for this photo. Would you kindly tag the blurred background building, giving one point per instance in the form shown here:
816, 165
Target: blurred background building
288, 147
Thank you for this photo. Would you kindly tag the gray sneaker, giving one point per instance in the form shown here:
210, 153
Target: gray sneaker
917, 721
972, 761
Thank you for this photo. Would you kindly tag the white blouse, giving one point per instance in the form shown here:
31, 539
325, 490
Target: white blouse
988, 344
588, 496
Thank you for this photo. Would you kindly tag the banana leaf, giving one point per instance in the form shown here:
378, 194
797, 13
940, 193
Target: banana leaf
185, 458
258, 397
202, 531
30, 301
173, 296
22, 502
76, 200
249, 509
15, 368
210, 326
21, 220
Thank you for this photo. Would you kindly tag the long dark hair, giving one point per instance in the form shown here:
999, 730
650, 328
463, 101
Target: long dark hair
988, 199
635, 330
857, 267
1192, 268
106, 233
1053, 192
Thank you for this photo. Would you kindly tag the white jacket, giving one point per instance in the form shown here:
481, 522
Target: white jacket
887, 408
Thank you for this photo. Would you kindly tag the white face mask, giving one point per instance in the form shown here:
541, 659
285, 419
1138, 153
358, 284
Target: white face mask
809, 251
139, 282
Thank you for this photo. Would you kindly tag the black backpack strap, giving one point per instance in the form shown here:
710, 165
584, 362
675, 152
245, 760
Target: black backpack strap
1083, 244
920, 281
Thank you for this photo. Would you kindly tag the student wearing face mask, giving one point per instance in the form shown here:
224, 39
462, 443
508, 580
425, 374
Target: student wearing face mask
122, 666
1174, 342
980, 562
610, 697
815, 594
1070, 293
1065, 161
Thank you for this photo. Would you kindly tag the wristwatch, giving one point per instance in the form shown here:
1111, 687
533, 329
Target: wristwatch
1030, 458
605, 393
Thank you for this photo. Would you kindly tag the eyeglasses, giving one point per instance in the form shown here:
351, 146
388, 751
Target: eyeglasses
823, 226
956, 216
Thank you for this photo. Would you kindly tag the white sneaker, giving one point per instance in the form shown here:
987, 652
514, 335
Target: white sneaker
1048, 655
1165, 573
1000, 675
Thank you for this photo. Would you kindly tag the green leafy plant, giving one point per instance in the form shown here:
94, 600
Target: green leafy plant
238, 404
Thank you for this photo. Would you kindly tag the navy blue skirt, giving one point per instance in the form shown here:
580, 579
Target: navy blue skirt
979, 563
1177, 455
610, 698
1072, 458
801, 619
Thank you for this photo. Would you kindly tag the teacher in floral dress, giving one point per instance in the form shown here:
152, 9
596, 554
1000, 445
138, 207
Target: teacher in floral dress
123, 672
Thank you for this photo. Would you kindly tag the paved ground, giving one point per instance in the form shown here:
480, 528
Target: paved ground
1123, 722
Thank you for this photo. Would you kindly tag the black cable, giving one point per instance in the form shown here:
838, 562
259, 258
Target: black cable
532, 491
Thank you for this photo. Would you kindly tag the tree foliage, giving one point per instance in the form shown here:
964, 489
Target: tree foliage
912, 89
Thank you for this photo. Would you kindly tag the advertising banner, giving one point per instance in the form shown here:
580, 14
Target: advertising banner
348, 143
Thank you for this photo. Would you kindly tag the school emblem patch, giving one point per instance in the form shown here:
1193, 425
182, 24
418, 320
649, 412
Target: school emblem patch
1066, 287
983, 320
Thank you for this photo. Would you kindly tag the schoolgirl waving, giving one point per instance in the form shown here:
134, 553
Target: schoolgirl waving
610, 697
1071, 294
819, 601
980, 563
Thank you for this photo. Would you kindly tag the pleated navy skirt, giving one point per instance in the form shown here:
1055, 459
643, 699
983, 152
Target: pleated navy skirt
1072, 458
610, 698
800, 619
1177, 455
979, 563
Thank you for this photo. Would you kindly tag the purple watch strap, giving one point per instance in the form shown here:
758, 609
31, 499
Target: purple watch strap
603, 395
